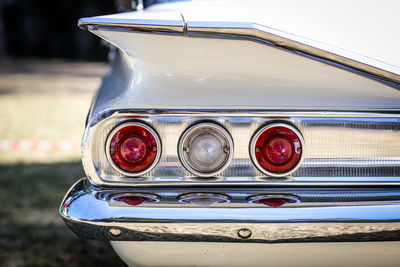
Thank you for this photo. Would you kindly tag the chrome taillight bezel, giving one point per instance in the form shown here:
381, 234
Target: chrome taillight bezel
192, 129
127, 124
252, 149
334, 152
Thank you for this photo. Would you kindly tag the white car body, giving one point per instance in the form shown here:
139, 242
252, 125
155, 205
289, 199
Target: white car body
277, 59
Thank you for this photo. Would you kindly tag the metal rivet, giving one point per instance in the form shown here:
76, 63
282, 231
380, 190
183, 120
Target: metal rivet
244, 233
257, 149
114, 232
226, 149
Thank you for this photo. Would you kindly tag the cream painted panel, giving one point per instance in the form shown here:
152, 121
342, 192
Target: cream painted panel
365, 254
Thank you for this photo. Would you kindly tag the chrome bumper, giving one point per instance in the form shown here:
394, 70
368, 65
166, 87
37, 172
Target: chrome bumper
322, 215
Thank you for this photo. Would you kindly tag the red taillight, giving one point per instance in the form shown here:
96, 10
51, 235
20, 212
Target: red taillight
274, 201
133, 148
277, 149
135, 199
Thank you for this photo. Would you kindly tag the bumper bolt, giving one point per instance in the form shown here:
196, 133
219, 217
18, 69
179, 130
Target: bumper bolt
244, 233
114, 232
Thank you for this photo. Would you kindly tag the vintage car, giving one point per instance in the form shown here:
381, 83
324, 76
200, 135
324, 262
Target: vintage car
245, 133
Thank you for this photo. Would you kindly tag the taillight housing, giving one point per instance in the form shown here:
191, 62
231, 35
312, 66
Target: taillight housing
277, 149
133, 148
205, 149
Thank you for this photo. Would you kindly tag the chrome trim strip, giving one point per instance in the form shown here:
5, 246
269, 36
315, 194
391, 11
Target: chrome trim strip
86, 210
227, 232
257, 182
278, 113
175, 31
173, 26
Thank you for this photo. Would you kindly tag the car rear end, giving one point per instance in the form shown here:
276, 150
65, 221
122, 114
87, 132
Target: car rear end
216, 143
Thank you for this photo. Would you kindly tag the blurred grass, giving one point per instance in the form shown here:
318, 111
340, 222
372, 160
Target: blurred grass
44, 100
31, 231
43, 116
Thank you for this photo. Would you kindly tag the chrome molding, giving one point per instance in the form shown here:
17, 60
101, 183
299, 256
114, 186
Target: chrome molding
172, 26
278, 113
321, 215
375, 163
325, 53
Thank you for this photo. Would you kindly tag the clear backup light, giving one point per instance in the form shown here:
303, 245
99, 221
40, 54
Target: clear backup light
277, 149
205, 149
133, 148
203, 199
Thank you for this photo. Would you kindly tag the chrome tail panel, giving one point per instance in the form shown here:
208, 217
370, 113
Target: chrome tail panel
340, 147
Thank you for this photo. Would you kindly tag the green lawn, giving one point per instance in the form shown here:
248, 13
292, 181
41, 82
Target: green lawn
32, 233
42, 100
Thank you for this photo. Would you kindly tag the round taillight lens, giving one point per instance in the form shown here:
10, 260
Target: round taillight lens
205, 149
133, 148
277, 149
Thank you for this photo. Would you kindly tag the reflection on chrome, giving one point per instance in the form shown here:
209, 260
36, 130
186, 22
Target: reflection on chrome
324, 214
